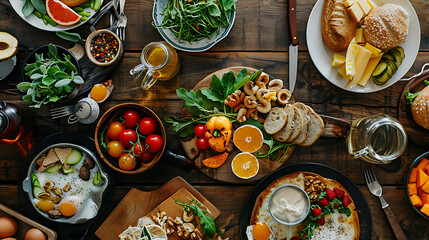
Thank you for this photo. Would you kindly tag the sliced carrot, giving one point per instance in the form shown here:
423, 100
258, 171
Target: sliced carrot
215, 161
413, 175
412, 189
425, 209
425, 187
417, 202
422, 178
422, 164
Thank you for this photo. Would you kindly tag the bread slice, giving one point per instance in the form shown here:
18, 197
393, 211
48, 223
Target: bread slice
284, 134
50, 158
275, 120
63, 153
297, 124
302, 108
315, 128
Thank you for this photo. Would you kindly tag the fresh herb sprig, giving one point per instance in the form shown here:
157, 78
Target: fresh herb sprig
52, 78
207, 223
411, 96
197, 19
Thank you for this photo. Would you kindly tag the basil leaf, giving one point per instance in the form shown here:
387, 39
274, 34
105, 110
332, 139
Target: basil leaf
228, 4
61, 75
72, 37
214, 10
68, 88
48, 80
52, 50
78, 79
27, 98
27, 9
30, 67
36, 76
53, 70
24, 86
39, 6
211, 95
53, 98
228, 80
63, 82
43, 69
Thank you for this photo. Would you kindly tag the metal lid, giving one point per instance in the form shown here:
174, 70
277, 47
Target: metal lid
4, 122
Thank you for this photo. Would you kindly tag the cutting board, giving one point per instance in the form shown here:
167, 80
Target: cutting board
417, 134
224, 173
137, 204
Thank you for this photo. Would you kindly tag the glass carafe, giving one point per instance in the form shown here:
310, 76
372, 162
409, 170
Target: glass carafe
377, 139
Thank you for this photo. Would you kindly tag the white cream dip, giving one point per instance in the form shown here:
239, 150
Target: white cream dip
288, 204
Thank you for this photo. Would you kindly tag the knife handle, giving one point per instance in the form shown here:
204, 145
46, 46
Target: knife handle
293, 28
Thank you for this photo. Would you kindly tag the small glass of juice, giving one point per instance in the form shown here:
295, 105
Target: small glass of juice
160, 61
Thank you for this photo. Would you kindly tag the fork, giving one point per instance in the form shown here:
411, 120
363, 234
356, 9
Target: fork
123, 22
62, 111
376, 190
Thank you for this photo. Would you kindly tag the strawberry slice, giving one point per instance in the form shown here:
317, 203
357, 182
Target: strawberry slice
316, 212
346, 201
336, 205
321, 221
323, 202
330, 194
339, 193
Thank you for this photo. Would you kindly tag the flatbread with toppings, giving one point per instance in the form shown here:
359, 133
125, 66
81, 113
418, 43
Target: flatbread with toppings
337, 215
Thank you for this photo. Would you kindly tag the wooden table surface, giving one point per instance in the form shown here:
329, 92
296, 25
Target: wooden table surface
258, 39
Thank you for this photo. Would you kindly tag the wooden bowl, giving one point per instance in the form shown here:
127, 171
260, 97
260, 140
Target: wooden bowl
88, 48
111, 115
407, 178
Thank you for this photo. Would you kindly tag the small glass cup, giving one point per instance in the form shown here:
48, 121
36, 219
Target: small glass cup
160, 61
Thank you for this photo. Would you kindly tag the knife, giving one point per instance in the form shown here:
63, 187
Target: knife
293, 47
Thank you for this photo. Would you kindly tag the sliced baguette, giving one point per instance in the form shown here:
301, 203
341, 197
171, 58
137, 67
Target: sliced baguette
306, 118
315, 128
284, 134
297, 126
275, 120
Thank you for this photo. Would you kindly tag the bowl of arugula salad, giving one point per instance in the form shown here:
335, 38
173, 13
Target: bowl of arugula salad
196, 25
51, 73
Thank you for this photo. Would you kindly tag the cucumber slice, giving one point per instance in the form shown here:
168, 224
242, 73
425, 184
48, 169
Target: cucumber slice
382, 79
380, 69
396, 52
388, 56
392, 65
36, 191
67, 171
74, 157
398, 59
389, 70
34, 181
401, 50
55, 168
97, 179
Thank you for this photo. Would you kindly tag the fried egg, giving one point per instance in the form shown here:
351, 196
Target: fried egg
259, 231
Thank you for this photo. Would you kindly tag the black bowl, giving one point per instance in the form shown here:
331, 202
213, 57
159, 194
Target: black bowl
407, 178
44, 49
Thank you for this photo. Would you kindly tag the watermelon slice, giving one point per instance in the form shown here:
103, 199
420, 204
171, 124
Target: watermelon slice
61, 13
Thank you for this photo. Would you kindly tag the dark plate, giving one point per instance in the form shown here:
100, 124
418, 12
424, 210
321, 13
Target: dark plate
81, 140
407, 178
364, 213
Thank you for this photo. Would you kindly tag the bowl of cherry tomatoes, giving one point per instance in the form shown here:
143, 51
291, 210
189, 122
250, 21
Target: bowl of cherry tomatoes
130, 138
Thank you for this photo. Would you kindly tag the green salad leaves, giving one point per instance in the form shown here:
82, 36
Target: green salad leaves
53, 78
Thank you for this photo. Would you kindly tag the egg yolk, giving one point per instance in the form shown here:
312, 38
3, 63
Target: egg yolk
45, 205
99, 92
261, 231
67, 209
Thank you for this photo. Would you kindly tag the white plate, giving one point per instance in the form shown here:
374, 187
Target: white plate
38, 22
197, 46
322, 55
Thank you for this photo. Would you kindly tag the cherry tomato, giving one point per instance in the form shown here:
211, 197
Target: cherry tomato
155, 143
137, 151
146, 156
115, 148
200, 130
202, 143
115, 128
131, 118
147, 126
127, 162
128, 137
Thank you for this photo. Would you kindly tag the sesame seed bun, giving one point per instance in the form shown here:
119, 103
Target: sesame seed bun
420, 108
386, 27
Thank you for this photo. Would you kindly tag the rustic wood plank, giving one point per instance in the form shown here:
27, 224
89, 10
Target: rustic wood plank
259, 26
413, 226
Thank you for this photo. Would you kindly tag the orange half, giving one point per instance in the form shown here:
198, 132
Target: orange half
245, 165
248, 138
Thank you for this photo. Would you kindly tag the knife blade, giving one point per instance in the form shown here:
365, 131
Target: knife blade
293, 47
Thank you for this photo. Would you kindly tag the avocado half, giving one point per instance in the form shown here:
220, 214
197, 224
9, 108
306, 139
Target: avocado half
8, 46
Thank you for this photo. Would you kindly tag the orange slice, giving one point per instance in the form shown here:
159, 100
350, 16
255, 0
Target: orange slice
61, 13
248, 138
245, 165
216, 161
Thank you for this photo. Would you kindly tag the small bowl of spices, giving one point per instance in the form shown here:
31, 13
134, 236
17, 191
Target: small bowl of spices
103, 47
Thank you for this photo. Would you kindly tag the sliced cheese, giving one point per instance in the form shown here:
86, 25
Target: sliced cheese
373, 49
338, 60
351, 58
355, 12
342, 72
370, 67
366, 8
360, 38
362, 60
349, 3
371, 3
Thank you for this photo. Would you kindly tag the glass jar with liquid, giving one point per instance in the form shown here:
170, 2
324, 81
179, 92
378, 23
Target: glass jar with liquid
160, 61
377, 139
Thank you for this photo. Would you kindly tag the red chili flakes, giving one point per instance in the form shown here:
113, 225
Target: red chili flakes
104, 47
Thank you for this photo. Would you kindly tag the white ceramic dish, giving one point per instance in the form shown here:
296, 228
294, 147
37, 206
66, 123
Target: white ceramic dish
197, 46
38, 23
322, 55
